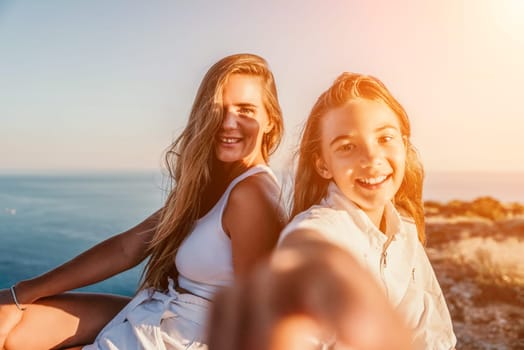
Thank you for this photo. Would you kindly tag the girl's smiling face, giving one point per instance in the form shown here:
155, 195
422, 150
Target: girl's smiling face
364, 152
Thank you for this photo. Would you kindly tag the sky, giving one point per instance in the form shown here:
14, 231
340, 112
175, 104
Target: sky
107, 85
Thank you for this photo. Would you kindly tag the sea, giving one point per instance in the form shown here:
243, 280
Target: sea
47, 219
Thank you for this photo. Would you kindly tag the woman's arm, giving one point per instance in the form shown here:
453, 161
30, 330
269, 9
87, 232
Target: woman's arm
108, 258
253, 219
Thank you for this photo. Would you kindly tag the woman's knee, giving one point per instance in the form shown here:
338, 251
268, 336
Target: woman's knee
63, 321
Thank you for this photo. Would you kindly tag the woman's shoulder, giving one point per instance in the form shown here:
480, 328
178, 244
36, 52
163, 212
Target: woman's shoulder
259, 185
256, 195
254, 204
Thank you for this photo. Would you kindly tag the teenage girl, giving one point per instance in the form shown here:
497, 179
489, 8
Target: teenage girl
358, 184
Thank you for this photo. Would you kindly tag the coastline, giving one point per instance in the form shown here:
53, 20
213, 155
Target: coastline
475, 246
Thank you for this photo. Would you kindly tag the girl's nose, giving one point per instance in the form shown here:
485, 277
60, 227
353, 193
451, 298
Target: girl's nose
230, 121
370, 156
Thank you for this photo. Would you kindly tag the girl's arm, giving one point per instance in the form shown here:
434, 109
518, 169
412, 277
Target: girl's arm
110, 257
253, 218
297, 237
311, 292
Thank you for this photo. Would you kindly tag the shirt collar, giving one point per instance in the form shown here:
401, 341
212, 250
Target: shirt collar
337, 200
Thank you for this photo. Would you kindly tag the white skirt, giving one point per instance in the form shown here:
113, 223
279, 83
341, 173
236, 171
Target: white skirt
157, 321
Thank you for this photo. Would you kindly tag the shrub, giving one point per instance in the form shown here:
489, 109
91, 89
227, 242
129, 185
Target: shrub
489, 208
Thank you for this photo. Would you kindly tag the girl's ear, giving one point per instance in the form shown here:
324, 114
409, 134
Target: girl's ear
321, 167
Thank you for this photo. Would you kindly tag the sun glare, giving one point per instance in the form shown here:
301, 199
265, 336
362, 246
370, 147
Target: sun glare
509, 15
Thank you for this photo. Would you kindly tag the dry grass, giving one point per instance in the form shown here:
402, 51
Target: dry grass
480, 265
493, 261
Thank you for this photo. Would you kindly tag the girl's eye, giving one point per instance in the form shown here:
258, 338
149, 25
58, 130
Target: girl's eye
386, 138
347, 147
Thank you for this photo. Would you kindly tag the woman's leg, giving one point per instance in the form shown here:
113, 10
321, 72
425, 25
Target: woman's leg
64, 320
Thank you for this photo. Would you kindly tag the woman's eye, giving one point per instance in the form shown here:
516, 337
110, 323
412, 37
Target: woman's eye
246, 111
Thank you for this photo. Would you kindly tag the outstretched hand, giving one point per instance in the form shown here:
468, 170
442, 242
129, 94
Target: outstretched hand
10, 315
310, 296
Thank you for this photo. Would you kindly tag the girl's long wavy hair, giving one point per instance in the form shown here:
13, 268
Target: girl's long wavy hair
310, 187
190, 157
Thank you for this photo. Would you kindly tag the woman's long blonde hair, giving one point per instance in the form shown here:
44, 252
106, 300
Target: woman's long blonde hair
189, 159
310, 187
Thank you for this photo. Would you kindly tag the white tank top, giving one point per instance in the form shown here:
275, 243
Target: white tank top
204, 260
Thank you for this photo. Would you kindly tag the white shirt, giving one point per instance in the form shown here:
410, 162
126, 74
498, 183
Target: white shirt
402, 268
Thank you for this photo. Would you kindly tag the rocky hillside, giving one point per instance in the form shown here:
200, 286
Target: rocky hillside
477, 250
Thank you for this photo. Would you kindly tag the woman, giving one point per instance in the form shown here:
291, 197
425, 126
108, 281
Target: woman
222, 215
358, 185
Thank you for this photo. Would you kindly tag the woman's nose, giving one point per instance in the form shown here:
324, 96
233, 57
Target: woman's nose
230, 121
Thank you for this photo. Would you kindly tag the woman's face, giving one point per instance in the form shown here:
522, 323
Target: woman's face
245, 121
364, 152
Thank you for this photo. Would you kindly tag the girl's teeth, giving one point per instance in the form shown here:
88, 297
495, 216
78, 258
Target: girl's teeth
373, 180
